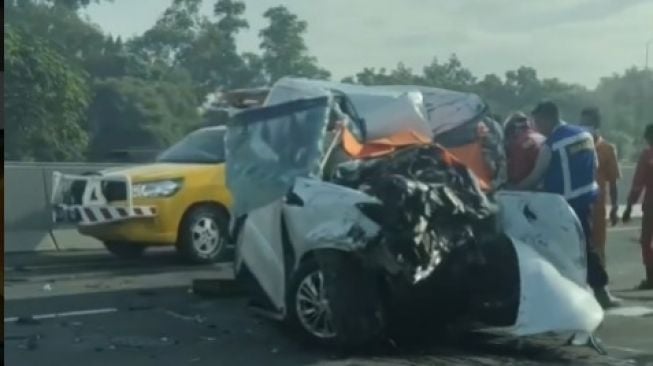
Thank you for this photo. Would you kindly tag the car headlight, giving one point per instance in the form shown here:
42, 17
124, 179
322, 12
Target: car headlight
164, 188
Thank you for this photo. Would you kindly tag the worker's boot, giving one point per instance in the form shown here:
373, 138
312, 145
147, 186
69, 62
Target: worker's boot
647, 284
605, 298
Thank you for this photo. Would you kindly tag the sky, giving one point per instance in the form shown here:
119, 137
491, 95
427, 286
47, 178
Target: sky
574, 40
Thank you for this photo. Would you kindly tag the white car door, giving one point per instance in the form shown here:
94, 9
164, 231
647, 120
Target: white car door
550, 249
260, 247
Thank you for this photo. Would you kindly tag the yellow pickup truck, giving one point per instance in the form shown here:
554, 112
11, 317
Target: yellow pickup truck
180, 200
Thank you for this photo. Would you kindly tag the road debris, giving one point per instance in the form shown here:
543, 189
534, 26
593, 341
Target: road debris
193, 318
141, 342
217, 288
147, 293
140, 307
31, 342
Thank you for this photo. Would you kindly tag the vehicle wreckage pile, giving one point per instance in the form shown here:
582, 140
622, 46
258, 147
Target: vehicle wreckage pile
439, 249
396, 239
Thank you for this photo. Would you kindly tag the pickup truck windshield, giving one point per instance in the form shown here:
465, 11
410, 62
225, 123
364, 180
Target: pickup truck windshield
205, 146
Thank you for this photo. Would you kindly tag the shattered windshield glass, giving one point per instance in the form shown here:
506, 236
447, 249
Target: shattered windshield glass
267, 148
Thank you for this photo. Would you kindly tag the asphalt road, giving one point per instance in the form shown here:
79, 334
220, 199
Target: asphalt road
112, 312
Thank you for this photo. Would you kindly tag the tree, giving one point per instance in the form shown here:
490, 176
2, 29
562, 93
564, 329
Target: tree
625, 102
402, 75
57, 25
45, 101
172, 34
498, 96
73, 4
369, 76
284, 49
205, 48
213, 59
133, 113
450, 75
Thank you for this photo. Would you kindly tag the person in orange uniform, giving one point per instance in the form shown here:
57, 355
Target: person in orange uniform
643, 183
607, 175
522, 143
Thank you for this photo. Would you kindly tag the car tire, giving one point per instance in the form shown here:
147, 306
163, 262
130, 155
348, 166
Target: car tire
125, 250
294, 304
350, 296
203, 234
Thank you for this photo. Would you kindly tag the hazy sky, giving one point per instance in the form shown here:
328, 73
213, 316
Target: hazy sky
575, 40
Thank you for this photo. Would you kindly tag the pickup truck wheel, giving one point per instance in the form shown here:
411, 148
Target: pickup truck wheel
202, 234
125, 250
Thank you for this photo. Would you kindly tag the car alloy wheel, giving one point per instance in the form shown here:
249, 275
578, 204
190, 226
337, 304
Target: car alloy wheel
312, 306
206, 236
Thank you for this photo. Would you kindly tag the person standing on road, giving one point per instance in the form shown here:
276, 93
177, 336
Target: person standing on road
522, 144
607, 175
566, 165
643, 183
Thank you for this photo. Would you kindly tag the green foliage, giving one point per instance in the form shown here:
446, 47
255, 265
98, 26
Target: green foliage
58, 26
449, 75
144, 92
172, 34
73, 4
45, 101
134, 113
630, 96
284, 51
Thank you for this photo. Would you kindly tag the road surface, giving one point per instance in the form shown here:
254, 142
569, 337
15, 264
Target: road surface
92, 309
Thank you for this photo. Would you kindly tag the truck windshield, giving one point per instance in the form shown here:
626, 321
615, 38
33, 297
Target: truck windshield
205, 146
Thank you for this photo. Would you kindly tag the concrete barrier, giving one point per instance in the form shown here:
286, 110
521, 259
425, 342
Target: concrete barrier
28, 221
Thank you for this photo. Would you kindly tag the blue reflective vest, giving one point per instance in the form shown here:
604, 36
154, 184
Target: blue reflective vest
572, 170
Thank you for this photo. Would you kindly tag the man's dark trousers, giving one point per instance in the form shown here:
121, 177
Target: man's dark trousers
597, 277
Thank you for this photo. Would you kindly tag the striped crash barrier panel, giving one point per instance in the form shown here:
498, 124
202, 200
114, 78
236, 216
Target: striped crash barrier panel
88, 204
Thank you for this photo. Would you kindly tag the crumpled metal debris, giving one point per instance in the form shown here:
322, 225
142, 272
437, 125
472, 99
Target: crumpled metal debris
141, 342
193, 318
31, 342
439, 246
431, 204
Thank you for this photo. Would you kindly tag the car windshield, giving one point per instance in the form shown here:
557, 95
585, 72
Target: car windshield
200, 147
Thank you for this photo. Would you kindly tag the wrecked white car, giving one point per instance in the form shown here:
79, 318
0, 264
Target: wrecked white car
352, 252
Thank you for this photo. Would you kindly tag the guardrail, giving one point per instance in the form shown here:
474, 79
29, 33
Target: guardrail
28, 221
